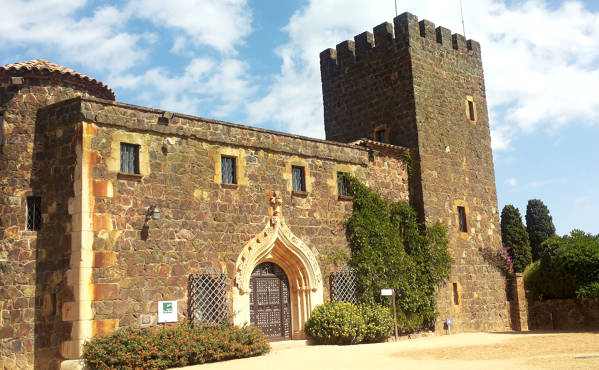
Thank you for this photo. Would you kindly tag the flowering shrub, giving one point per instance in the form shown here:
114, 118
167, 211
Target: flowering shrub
345, 323
499, 258
172, 346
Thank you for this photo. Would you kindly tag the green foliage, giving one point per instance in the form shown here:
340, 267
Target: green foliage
345, 323
173, 346
539, 225
515, 238
568, 267
390, 249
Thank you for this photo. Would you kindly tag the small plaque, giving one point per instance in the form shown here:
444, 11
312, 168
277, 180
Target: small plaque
167, 311
386, 291
145, 321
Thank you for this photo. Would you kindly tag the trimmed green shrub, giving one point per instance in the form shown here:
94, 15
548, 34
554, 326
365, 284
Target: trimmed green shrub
539, 225
345, 323
172, 346
391, 249
515, 238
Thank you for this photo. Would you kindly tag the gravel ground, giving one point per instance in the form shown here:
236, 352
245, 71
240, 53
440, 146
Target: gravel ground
531, 350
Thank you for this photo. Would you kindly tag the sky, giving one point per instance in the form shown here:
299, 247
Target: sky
255, 62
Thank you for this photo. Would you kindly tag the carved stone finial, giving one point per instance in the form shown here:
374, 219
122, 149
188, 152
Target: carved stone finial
275, 202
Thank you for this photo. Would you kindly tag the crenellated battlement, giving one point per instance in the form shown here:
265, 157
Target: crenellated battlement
405, 28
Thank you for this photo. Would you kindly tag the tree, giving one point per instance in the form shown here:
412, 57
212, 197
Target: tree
539, 226
515, 237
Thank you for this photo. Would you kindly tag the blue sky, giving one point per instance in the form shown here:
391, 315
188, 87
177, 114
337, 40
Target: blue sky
255, 62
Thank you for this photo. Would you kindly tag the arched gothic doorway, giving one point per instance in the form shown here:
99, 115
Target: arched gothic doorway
270, 308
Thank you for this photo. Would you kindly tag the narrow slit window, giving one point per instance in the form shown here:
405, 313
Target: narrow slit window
228, 170
456, 294
343, 188
129, 158
298, 178
462, 219
1, 129
471, 110
34, 213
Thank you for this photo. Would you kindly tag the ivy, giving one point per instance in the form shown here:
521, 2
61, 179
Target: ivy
391, 249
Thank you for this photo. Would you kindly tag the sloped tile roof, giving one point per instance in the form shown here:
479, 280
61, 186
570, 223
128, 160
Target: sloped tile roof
44, 65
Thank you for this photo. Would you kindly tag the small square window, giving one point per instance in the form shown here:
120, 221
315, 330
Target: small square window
34, 213
471, 110
343, 188
298, 178
462, 219
380, 136
129, 158
228, 167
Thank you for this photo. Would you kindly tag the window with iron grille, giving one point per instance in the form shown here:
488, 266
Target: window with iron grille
343, 188
462, 219
298, 178
343, 285
228, 167
208, 297
34, 213
129, 158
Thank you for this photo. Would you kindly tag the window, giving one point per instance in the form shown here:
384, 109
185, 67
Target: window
462, 219
34, 213
129, 158
1, 128
228, 170
456, 294
298, 178
471, 110
343, 188
381, 136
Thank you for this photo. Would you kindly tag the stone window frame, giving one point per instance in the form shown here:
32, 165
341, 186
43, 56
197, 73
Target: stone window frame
462, 204
381, 128
474, 117
333, 184
295, 161
240, 163
113, 162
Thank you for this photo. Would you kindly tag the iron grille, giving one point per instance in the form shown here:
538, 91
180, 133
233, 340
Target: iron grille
228, 170
343, 285
129, 158
343, 184
34, 213
208, 297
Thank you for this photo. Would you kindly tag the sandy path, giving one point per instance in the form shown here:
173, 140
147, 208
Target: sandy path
460, 351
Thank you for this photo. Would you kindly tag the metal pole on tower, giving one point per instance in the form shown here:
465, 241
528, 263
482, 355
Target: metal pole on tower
462, 13
396, 8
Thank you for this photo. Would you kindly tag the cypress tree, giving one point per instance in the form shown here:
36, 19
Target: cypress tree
515, 237
539, 225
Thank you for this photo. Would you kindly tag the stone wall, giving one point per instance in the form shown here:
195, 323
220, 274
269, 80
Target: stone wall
138, 260
416, 82
29, 166
564, 314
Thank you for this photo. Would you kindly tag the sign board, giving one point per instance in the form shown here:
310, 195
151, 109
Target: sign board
448, 322
386, 291
167, 311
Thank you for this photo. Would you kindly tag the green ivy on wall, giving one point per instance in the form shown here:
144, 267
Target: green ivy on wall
390, 249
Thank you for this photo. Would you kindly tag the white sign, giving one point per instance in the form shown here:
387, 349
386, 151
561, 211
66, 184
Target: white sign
167, 311
386, 291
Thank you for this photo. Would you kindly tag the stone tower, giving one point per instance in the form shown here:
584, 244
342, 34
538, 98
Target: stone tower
34, 253
423, 88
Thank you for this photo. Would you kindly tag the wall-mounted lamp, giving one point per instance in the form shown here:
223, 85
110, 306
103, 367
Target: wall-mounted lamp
154, 212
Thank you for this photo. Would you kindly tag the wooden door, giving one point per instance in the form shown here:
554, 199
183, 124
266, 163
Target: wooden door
269, 301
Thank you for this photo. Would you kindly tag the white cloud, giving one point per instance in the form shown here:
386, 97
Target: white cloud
53, 25
541, 64
220, 24
511, 181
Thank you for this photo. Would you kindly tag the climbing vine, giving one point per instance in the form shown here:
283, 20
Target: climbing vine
390, 249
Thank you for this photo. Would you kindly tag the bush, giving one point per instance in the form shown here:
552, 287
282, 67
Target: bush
568, 268
345, 323
172, 346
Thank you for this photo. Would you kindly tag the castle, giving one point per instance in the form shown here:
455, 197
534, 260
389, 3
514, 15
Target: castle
108, 208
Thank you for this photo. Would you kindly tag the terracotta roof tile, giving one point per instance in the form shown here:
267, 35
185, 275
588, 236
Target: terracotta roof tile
44, 65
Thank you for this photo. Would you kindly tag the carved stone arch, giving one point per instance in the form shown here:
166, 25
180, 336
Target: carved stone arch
277, 244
